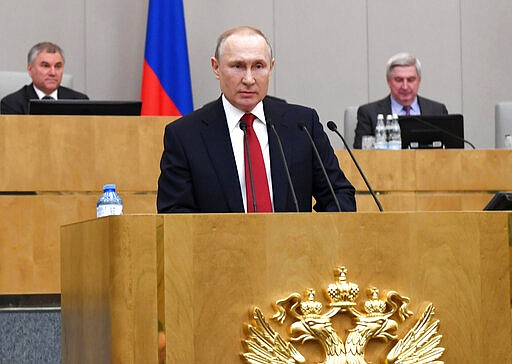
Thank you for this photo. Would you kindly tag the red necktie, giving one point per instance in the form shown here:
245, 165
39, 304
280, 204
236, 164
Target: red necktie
259, 174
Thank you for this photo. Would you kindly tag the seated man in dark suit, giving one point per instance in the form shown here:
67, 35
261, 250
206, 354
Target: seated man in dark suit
204, 165
46, 67
403, 74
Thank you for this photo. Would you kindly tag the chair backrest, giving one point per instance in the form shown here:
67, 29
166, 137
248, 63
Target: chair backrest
349, 124
503, 122
11, 81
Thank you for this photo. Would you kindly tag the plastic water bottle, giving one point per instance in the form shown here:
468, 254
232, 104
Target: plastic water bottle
389, 125
508, 141
380, 133
395, 138
109, 202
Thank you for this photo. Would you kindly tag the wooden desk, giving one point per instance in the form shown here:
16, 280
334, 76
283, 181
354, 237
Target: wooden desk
429, 180
54, 167
52, 173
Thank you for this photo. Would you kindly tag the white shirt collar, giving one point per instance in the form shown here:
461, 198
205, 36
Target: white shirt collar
41, 94
233, 114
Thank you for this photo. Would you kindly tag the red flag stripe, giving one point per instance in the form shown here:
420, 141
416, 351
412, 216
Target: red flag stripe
155, 100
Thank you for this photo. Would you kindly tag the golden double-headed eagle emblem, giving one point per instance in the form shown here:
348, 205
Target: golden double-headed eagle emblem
308, 320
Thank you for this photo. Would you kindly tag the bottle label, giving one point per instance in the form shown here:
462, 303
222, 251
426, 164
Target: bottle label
108, 210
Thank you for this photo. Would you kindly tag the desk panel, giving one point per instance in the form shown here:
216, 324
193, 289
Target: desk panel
53, 169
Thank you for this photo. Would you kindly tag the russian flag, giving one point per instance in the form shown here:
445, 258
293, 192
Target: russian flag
166, 87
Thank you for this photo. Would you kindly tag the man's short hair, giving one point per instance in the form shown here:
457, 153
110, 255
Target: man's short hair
242, 30
402, 60
48, 47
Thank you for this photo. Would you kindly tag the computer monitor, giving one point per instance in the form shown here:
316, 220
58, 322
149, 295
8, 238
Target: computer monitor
84, 107
501, 201
432, 132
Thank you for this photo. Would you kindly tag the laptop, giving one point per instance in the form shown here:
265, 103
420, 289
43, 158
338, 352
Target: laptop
432, 132
83, 107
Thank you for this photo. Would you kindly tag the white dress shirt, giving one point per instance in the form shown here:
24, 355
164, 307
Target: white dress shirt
41, 94
233, 116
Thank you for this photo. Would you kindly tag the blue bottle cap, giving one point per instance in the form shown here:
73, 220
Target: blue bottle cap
109, 187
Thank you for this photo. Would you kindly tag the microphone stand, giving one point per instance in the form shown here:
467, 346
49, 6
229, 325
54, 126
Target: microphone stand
294, 196
302, 126
332, 126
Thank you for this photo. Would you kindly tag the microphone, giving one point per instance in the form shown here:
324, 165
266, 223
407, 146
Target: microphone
243, 126
332, 126
294, 196
435, 127
302, 126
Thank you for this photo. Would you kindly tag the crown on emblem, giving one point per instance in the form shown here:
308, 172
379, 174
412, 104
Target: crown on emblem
374, 306
342, 293
311, 307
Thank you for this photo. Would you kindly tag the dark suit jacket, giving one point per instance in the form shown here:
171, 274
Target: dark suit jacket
367, 115
199, 174
17, 102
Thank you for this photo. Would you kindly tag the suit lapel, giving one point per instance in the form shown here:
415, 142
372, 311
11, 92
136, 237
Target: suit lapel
385, 106
215, 135
425, 108
280, 186
381, 107
30, 94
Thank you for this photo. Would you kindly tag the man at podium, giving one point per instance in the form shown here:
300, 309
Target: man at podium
226, 156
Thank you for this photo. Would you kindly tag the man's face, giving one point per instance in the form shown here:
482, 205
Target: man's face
46, 71
403, 84
243, 69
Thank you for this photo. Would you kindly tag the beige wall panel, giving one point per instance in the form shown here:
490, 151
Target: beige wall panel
205, 22
115, 35
321, 56
25, 23
486, 63
429, 30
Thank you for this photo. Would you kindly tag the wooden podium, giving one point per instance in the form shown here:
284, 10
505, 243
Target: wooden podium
201, 274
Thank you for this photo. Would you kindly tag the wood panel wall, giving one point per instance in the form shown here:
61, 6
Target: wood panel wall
53, 169
52, 173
